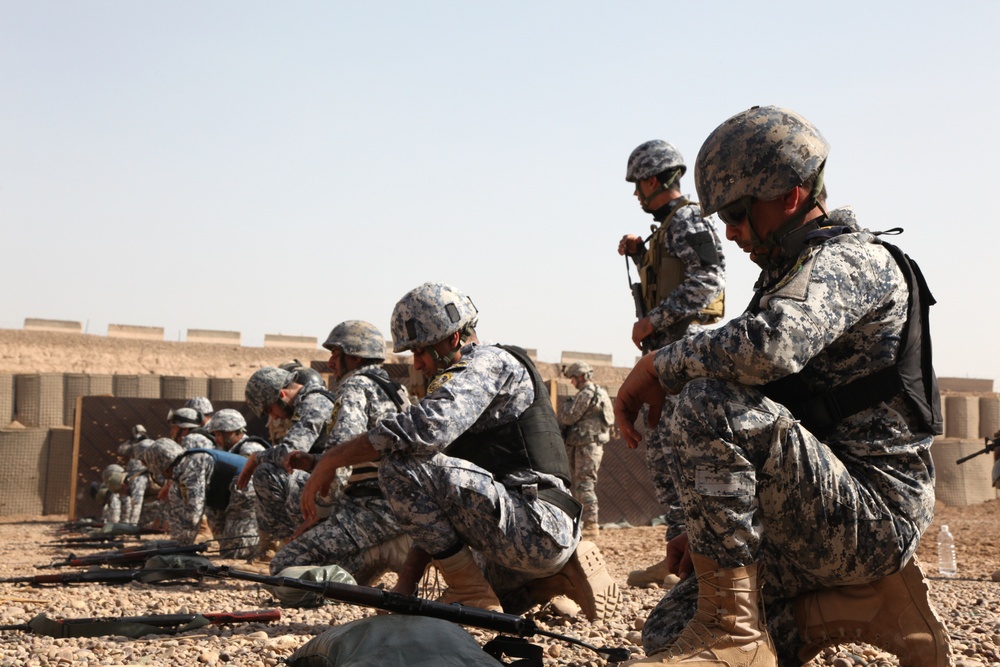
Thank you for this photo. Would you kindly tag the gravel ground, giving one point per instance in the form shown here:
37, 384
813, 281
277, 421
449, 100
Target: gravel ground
970, 604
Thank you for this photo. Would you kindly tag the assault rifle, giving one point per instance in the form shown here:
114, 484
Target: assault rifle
132, 555
79, 525
640, 303
110, 532
137, 626
148, 576
408, 604
126, 555
991, 444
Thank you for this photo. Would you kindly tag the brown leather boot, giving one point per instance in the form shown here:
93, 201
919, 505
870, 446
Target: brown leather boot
727, 629
466, 583
585, 580
893, 613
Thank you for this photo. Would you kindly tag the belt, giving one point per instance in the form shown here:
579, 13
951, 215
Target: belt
362, 491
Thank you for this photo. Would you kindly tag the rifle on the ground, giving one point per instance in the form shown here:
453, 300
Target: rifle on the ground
106, 576
79, 525
114, 544
137, 626
408, 604
141, 551
991, 444
109, 532
126, 557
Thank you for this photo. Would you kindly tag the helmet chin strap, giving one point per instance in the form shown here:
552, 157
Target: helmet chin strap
663, 187
776, 240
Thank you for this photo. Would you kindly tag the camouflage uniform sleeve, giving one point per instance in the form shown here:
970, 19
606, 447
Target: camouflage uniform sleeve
309, 422
191, 476
350, 414
829, 291
581, 404
693, 240
487, 387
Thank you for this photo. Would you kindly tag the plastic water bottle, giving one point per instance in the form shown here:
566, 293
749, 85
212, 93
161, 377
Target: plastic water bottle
946, 553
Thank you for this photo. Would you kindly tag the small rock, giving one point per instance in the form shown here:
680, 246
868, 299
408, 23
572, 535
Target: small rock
209, 657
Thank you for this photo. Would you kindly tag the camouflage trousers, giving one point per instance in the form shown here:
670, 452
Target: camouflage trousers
758, 487
658, 452
443, 501
355, 525
112, 511
234, 528
584, 462
279, 499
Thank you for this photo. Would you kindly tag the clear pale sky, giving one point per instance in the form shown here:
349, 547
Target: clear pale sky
279, 167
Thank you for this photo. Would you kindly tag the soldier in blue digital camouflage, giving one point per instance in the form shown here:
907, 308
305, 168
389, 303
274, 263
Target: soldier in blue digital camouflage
587, 419
203, 486
300, 396
229, 430
682, 274
477, 464
802, 428
187, 428
360, 534
110, 496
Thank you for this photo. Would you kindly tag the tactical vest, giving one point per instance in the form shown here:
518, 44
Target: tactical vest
911, 376
227, 467
660, 274
364, 476
317, 446
533, 441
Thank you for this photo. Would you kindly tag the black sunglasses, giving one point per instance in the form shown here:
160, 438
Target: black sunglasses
735, 213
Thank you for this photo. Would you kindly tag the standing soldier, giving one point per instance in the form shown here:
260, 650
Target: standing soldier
682, 275
588, 419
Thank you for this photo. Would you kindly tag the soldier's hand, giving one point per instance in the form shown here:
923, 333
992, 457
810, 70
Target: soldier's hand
247, 473
641, 387
679, 556
164, 491
297, 460
641, 330
629, 245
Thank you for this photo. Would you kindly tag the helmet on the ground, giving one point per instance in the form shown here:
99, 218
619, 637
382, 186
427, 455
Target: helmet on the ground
201, 404
578, 368
357, 338
185, 418
227, 420
430, 313
113, 476
652, 158
160, 454
264, 388
762, 152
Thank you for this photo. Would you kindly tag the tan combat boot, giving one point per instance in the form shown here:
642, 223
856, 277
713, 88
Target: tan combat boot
204, 531
388, 556
585, 580
727, 629
267, 547
893, 613
466, 583
654, 574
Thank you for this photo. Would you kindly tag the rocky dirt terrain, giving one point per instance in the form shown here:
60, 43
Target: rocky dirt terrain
970, 603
